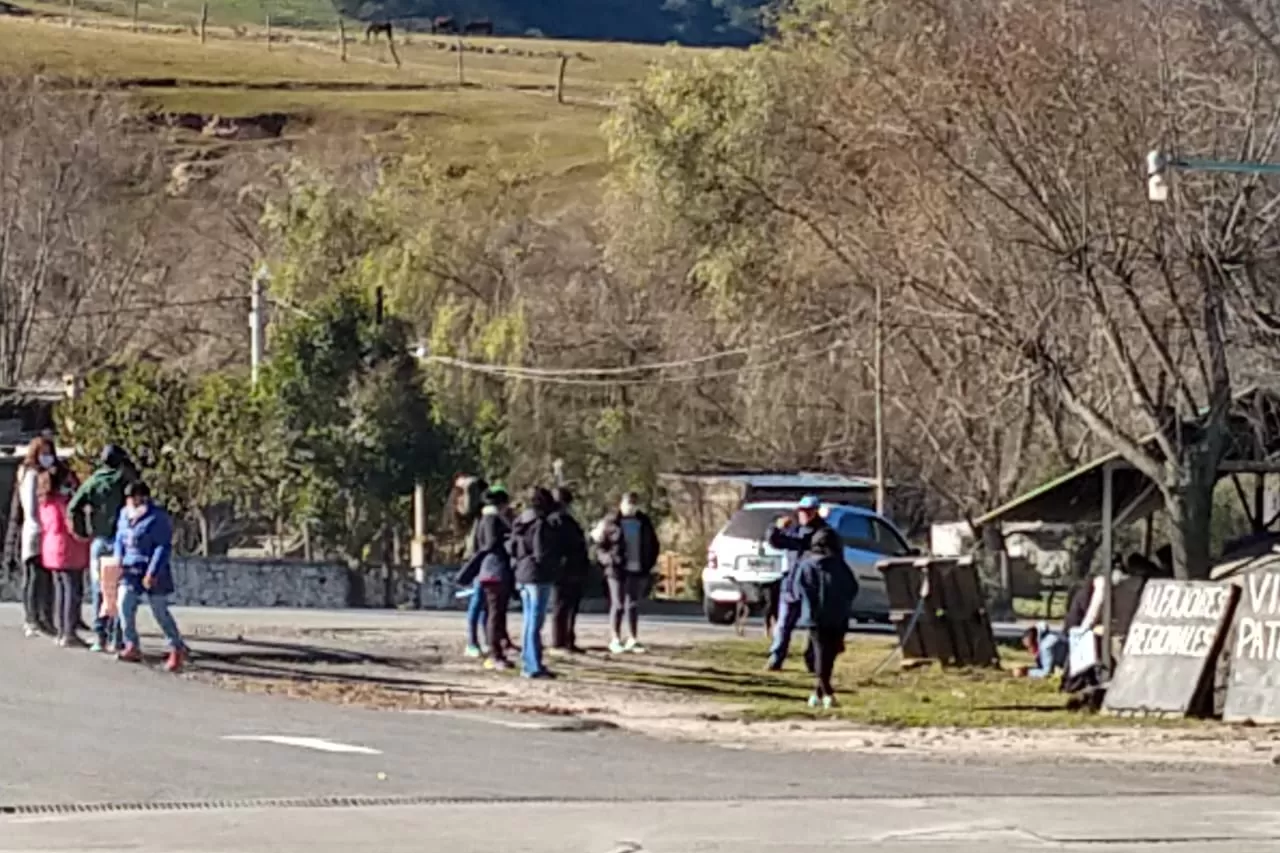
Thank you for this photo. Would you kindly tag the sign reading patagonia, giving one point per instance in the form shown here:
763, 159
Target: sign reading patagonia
1174, 639
1253, 692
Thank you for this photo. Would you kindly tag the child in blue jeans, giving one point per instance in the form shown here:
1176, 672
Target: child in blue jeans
144, 544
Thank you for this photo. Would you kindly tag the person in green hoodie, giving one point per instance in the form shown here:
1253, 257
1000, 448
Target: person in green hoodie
94, 509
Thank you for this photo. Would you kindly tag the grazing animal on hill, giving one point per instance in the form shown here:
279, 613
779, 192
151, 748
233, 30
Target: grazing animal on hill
482, 27
372, 31
444, 24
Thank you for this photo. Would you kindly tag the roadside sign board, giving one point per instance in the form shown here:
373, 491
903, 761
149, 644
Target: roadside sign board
1253, 689
1169, 652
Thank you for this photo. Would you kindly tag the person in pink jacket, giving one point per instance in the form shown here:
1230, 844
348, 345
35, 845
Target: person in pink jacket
62, 552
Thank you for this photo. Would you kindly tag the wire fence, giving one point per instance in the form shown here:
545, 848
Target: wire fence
461, 52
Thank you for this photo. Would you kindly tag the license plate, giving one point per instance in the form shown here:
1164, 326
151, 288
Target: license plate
759, 565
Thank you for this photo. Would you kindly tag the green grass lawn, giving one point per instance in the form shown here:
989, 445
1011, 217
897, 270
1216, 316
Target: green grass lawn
1037, 608
926, 695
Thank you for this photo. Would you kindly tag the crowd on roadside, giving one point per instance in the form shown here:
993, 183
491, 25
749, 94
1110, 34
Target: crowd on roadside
105, 535
542, 554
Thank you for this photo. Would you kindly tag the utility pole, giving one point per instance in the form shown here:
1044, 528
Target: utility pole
879, 396
256, 322
1159, 164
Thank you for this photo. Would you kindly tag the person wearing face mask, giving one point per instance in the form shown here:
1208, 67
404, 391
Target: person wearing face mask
144, 544
63, 553
37, 584
627, 548
101, 499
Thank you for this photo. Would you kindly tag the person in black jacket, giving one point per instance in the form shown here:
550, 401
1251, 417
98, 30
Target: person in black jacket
535, 550
488, 571
575, 566
826, 588
627, 547
795, 537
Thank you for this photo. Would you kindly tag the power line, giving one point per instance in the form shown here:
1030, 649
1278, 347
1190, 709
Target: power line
566, 372
502, 372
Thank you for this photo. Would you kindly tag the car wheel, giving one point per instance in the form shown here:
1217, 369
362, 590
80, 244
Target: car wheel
717, 613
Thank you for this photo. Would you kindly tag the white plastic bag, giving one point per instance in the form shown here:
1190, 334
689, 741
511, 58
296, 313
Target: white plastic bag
1083, 651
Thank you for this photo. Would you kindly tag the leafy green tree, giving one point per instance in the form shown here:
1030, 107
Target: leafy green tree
355, 412
139, 407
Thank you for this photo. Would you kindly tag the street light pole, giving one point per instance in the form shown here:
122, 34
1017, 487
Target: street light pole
1159, 164
879, 396
256, 322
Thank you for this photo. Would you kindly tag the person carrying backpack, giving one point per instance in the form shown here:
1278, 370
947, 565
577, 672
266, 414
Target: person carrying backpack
825, 587
535, 550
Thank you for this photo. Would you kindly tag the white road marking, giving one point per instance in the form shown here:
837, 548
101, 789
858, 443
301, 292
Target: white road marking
307, 743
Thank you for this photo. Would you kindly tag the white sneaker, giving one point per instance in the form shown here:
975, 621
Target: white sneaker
814, 701
633, 646
616, 647
828, 702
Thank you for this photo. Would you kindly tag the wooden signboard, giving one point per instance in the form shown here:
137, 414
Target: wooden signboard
1172, 644
1253, 688
937, 606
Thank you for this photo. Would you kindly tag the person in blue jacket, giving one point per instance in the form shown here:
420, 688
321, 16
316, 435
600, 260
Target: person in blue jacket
795, 537
826, 588
144, 545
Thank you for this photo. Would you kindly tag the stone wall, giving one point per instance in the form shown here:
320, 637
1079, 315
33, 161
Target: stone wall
228, 582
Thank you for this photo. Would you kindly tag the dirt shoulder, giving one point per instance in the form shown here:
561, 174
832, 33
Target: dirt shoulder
710, 692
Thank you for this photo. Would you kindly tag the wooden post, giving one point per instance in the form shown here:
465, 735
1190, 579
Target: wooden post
135, 15
204, 20
268, 32
461, 77
71, 13
391, 46
342, 40
564, 63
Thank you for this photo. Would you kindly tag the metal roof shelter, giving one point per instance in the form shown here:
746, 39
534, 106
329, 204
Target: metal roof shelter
1110, 492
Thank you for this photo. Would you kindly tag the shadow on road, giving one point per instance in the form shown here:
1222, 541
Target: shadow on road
267, 659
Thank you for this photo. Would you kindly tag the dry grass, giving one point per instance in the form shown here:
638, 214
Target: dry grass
504, 108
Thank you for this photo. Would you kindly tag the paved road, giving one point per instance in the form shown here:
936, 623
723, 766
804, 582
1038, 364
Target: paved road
81, 729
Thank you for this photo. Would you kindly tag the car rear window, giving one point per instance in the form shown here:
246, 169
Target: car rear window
750, 523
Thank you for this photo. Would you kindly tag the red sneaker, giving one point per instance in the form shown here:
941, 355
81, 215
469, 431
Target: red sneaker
130, 654
177, 658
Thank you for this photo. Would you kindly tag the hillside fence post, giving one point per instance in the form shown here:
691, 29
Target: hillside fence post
204, 20
71, 13
461, 77
564, 63
135, 16
342, 40
391, 45
268, 32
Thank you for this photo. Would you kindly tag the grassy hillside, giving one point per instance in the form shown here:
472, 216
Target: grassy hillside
505, 102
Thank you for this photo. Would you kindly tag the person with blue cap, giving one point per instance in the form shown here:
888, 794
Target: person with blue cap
794, 537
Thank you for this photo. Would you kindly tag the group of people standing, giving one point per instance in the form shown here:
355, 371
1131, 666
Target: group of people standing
67, 530
543, 554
